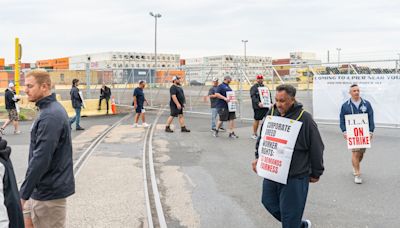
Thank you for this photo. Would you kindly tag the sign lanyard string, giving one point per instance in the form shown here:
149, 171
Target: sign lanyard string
298, 118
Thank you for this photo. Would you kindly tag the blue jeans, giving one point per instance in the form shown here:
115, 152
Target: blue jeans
76, 118
214, 114
286, 202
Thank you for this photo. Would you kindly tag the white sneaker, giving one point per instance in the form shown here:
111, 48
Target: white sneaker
308, 223
358, 179
145, 125
17, 132
253, 136
135, 125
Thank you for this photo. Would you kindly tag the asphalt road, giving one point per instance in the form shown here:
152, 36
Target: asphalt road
208, 182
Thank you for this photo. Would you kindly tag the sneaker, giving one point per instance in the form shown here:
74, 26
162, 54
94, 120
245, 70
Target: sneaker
213, 129
17, 132
2, 131
135, 125
254, 136
145, 125
307, 223
80, 128
215, 134
168, 129
358, 179
222, 129
233, 135
184, 129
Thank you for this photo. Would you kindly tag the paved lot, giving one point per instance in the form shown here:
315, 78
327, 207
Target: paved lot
208, 182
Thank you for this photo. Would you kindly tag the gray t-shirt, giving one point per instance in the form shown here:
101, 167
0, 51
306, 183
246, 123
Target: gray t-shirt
356, 103
213, 101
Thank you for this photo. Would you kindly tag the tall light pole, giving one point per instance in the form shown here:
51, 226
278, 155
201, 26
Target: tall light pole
338, 55
245, 47
156, 16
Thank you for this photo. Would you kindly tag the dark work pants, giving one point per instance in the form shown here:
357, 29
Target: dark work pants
101, 98
286, 202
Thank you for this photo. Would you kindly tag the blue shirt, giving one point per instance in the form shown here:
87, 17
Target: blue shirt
222, 89
139, 94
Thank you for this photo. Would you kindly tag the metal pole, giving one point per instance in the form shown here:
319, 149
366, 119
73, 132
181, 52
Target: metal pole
16, 66
156, 16
88, 79
338, 50
241, 76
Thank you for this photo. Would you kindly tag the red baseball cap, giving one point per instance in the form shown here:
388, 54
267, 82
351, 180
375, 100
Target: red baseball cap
260, 76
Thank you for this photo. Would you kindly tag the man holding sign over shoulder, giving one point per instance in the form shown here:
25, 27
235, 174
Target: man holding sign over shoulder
261, 101
289, 155
226, 107
357, 125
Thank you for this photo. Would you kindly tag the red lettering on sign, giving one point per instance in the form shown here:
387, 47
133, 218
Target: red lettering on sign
277, 140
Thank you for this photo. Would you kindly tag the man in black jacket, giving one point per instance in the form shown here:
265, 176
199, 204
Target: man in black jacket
259, 110
77, 104
10, 206
105, 93
11, 107
286, 202
49, 179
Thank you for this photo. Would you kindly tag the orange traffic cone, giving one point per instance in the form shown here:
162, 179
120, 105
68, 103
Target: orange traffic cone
113, 106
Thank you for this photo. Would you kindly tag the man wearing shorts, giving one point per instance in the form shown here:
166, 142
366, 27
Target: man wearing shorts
222, 107
259, 110
138, 104
356, 105
11, 106
176, 104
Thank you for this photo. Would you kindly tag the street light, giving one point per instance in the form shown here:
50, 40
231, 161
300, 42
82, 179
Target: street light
156, 16
338, 55
245, 44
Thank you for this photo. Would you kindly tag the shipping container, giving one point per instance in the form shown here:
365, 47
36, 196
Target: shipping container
165, 76
280, 61
2, 62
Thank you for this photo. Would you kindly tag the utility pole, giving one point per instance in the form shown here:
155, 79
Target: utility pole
156, 16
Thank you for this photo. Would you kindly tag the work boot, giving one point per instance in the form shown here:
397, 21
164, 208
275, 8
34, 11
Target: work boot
168, 129
99, 108
184, 129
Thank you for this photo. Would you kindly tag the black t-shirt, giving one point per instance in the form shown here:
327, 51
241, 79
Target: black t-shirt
178, 91
213, 101
139, 94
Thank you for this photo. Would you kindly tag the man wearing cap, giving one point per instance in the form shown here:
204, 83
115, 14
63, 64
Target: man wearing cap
259, 110
176, 104
213, 102
11, 106
138, 103
222, 106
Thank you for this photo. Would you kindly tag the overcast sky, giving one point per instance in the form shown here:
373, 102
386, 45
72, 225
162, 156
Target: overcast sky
195, 28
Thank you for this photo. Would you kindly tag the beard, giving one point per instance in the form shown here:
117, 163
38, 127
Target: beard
178, 83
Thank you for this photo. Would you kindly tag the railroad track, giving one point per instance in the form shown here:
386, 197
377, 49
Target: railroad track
154, 210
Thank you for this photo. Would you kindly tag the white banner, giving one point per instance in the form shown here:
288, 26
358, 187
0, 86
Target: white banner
278, 138
357, 130
232, 101
265, 96
382, 90
83, 101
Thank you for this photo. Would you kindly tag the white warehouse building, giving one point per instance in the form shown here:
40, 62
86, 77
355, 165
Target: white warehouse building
123, 60
205, 68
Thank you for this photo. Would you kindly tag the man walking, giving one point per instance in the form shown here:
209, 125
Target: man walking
213, 102
356, 105
138, 104
49, 179
223, 110
11, 107
77, 103
259, 110
286, 202
105, 94
176, 104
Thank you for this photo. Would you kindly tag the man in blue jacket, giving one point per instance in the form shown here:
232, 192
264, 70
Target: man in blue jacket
356, 105
49, 179
77, 104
